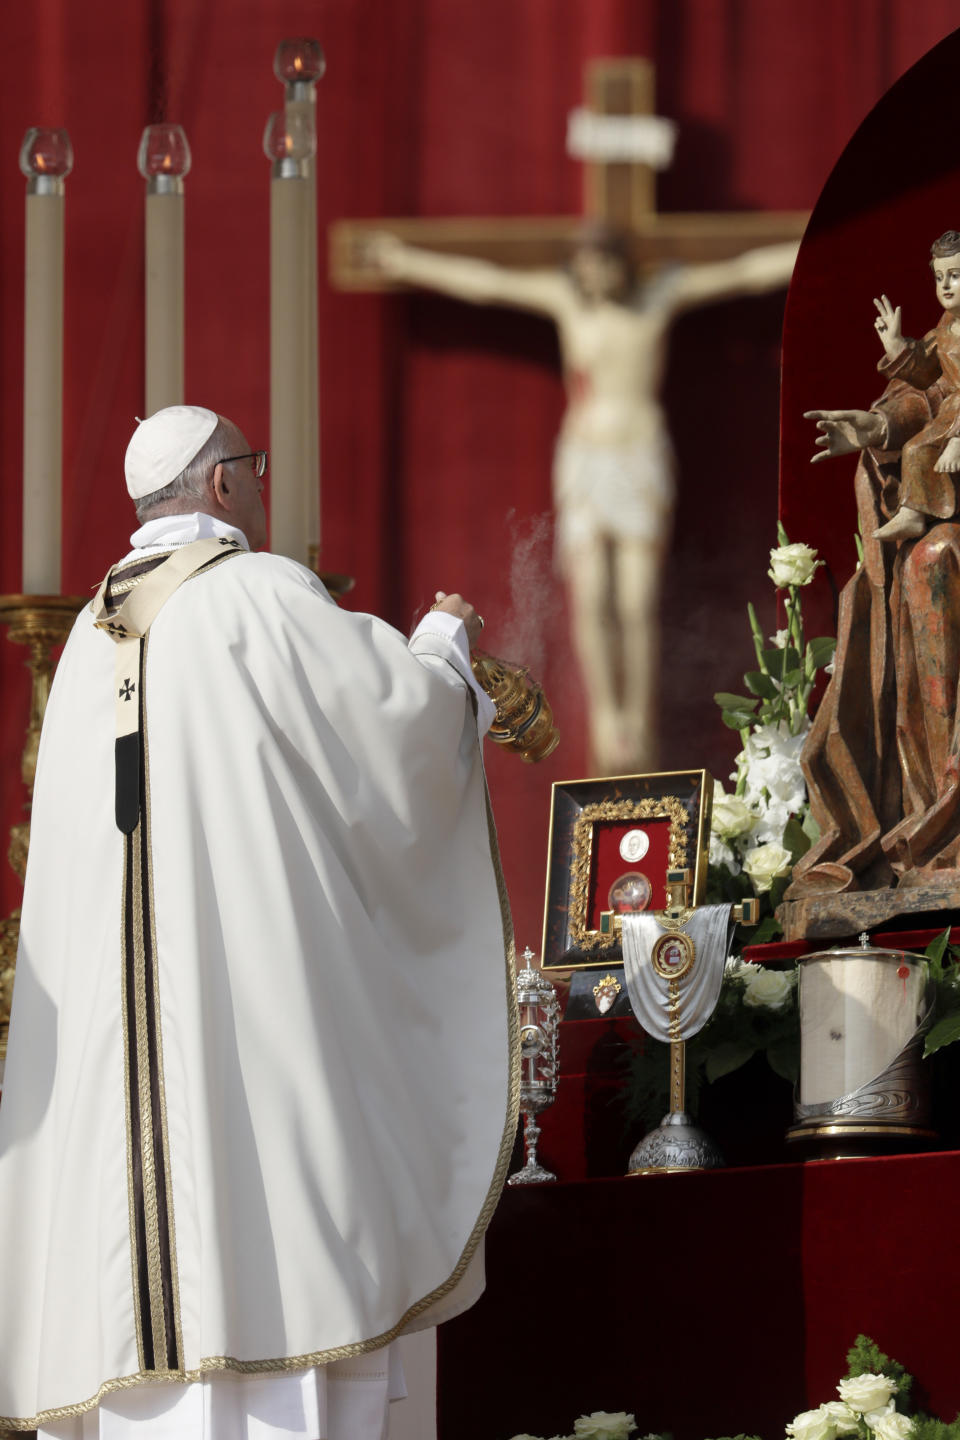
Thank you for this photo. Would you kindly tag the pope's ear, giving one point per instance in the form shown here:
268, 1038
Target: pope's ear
220, 486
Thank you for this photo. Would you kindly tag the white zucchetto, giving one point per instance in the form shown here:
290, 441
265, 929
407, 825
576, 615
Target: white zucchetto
163, 445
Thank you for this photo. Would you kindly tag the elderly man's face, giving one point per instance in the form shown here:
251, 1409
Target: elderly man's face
246, 492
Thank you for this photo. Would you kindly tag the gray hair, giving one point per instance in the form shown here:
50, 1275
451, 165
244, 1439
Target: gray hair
191, 483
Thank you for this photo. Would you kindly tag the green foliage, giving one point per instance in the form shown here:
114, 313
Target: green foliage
735, 1033
927, 1428
943, 1032
866, 1358
942, 963
795, 839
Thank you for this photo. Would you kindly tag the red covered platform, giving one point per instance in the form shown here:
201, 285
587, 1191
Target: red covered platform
708, 1304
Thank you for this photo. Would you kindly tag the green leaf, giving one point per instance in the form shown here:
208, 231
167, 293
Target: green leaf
784, 1060
769, 928
778, 660
937, 948
944, 1032
737, 719
727, 701
821, 650
777, 890
811, 828
759, 684
795, 839
724, 1059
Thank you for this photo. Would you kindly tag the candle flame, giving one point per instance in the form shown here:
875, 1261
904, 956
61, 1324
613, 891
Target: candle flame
39, 162
166, 163
298, 64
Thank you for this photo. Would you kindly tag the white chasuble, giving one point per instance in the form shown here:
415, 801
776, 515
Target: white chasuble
261, 1085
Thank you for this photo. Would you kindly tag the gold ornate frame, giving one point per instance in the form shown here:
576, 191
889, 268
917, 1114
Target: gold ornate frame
683, 797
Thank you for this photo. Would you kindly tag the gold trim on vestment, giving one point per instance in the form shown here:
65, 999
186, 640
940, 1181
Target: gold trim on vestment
158, 1027
145, 1098
226, 1363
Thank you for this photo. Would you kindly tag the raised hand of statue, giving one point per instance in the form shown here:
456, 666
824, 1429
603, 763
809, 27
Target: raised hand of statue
456, 605
843, 431
887, 326
950, 459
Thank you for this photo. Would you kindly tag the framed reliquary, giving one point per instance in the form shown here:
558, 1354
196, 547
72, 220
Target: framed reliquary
612, 842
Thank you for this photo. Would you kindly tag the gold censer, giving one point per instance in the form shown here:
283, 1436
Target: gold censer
524, 721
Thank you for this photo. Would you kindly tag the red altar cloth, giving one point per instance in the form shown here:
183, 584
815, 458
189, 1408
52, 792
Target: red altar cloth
707, 1304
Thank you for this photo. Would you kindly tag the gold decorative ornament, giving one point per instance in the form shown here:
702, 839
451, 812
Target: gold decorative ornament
673, 955
524, 720
666, 807
605, 993
41, 622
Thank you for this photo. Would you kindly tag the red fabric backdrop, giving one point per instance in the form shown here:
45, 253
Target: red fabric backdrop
438, 421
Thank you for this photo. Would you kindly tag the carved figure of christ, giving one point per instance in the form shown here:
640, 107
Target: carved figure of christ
613, 483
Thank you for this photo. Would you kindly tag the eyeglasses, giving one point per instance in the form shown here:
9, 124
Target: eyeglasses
259, 458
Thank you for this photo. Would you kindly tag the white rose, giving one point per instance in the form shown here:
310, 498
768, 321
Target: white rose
866, 1392
767, 989
813, 1425
731, 816
792, 565
765, 864
842, 1416
889, 1425
605, 1425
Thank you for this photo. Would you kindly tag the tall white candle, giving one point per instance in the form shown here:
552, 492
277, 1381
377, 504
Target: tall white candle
293, 402
163, 160
46, 159
299, 64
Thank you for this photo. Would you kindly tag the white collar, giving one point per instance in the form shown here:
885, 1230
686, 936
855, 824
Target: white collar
174, 530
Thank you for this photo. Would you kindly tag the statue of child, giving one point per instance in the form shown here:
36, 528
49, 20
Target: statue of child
931, 458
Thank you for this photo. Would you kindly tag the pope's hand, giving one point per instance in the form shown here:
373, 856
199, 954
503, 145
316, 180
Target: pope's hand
456, 605
842, 431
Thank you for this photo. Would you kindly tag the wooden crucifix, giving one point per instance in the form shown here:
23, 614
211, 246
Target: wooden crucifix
613, 471
617, 192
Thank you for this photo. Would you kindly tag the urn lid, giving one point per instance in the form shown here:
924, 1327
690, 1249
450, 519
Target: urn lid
865, 951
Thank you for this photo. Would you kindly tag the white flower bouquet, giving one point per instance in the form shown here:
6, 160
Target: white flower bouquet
873, 1405
760, 830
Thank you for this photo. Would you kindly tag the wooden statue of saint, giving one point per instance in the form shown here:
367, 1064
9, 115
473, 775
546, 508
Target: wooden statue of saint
883, 757
613, 464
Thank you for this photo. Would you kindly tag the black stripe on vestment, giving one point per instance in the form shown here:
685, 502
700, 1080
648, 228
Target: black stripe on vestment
154, 1290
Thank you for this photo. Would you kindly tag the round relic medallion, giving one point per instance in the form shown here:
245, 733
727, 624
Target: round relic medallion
629, 892
634, 846
532, 1042
673, 955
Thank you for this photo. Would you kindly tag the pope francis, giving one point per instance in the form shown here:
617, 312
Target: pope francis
261, 1084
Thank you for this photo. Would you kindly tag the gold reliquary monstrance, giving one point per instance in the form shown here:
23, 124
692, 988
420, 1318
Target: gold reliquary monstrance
626, 875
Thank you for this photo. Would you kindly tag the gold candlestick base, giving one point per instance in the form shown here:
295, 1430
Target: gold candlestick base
41, 622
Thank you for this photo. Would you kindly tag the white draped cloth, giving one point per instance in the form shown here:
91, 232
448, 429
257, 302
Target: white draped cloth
697, 992
325, 1056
